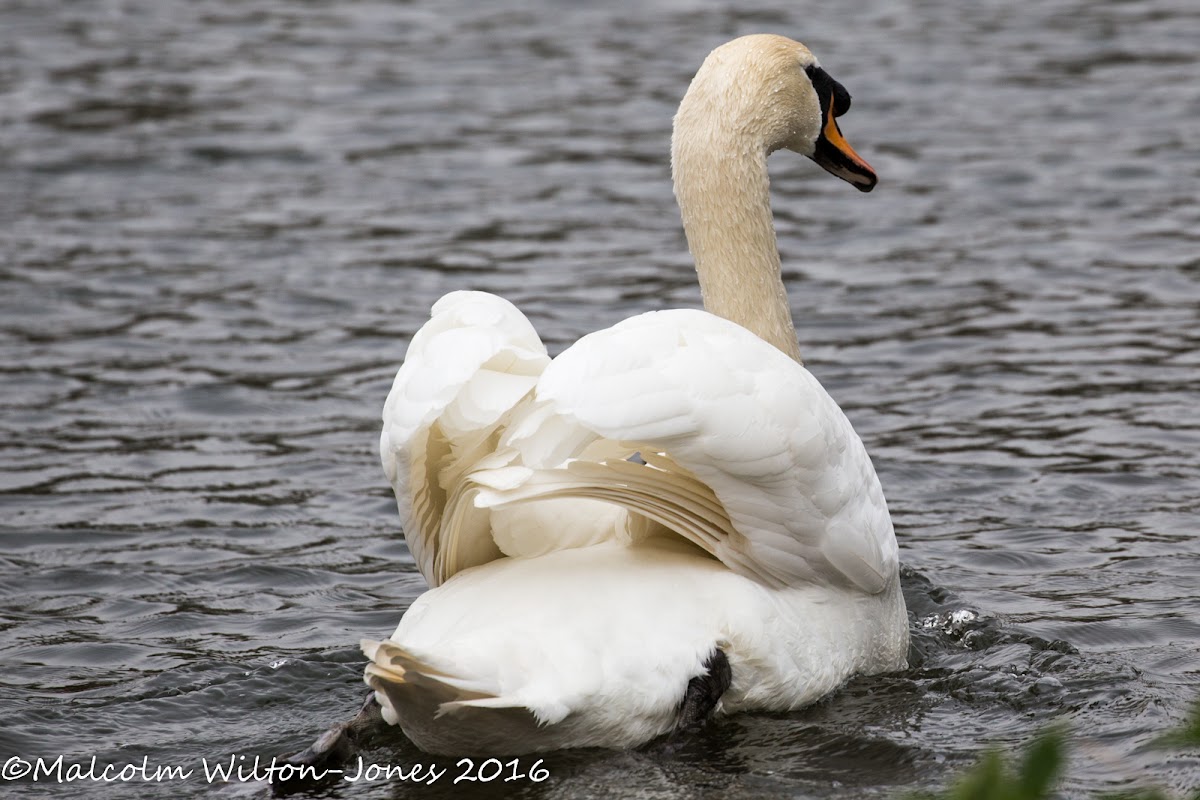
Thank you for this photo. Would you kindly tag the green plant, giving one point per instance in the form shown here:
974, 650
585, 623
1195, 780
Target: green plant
992, 778
1042, 765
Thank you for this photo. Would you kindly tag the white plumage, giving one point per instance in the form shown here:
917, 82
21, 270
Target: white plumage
594, 527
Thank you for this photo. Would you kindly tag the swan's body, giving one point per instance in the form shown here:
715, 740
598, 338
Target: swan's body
580, 591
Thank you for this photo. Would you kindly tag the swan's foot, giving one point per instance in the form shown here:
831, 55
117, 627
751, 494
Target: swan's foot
332, 748
703, 693
700, 699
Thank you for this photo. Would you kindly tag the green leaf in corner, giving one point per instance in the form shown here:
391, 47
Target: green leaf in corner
1187, 736
984, 782
1042, 765
992, 779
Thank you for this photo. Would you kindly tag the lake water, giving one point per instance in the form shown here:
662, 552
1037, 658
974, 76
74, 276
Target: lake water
221, 222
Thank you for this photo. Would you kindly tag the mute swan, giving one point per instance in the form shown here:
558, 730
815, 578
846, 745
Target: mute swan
671, 518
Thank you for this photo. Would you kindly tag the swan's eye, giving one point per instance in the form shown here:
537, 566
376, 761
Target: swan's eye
827, 86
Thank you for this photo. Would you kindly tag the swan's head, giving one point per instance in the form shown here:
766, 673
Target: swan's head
770, 92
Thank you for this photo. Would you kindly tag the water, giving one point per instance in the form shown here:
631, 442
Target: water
222, 221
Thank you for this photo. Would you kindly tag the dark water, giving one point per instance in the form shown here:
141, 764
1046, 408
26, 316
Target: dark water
221, 221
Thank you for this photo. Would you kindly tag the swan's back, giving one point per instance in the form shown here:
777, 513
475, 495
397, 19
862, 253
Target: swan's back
747, 456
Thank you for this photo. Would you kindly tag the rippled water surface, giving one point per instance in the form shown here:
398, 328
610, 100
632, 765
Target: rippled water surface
221, 222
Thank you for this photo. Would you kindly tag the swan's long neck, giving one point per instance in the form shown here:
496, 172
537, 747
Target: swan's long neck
721, 184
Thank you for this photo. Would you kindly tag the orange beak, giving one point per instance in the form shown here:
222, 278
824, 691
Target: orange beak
838, 158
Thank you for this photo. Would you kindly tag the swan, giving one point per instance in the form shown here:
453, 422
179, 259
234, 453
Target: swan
671, 519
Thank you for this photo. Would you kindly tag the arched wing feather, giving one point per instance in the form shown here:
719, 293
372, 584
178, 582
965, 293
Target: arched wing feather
466, 369
746, 421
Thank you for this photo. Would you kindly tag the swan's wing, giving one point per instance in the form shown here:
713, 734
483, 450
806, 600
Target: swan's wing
466, 369
749, 456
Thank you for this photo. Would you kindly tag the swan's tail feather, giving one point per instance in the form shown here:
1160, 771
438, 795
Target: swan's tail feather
480, 702
402, 677
416, 694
